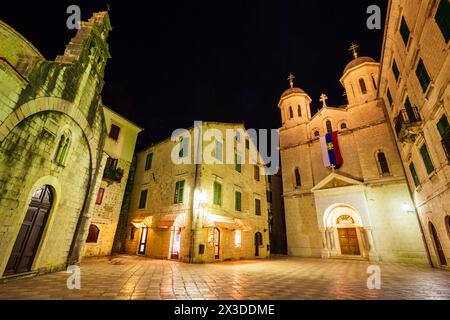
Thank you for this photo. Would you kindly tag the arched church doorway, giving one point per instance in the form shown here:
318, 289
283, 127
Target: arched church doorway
258, 242
348, 238
30, 233
437, 245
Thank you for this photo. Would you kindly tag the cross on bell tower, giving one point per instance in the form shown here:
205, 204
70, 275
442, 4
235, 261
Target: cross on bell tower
291, 80
323, 98
354, 48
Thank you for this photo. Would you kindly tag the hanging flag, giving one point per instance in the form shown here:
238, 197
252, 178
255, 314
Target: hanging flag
331, 153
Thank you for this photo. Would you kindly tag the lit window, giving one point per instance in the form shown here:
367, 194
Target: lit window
237, 238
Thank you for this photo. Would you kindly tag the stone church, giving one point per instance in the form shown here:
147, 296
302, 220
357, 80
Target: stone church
360, 208
53, 128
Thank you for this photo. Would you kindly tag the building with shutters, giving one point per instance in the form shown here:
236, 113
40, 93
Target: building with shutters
415, 86
198, 212
344, 188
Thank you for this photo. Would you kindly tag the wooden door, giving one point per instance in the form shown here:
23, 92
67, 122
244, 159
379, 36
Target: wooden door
30, 233
143, 241
438, 246
216, 243
348, 240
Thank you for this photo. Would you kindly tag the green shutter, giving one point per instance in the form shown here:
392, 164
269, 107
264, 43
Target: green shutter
179, 191
238, 160
143, 199
404, 31
412, 169
238, 201
426, 159
395, 70
422, 75
148, 161
443, 126
217, 193
442, 18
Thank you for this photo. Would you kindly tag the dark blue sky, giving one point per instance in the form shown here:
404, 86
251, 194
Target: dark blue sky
176, 62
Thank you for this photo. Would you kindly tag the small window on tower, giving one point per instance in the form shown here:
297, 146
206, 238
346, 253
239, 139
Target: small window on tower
343, 126
316, 133
291, 113
329, 126
299, 110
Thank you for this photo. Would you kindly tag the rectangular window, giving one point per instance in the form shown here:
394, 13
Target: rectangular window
114, 132
256, 172
389, 96
422, 75
237, 238
100, 194
179, 192
257, 207
143, 199
443, 126
238, 160
426, 159
442, 18
238, 201
217, 193
218, 150
148, 161
404, 31
412, 169
395, 70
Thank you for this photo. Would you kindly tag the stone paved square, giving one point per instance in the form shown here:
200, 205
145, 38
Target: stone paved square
129, 277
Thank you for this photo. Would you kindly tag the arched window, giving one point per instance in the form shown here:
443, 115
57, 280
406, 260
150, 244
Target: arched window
291, 113
329, 126
93, 234
297, 178
363, 86
299, 110
374, 82
63, 149
343, 126
316, 133
382, 161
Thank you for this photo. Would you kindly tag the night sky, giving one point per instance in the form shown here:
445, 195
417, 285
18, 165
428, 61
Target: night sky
176, 62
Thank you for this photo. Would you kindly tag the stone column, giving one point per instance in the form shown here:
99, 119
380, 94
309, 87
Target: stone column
373, 254
326, 248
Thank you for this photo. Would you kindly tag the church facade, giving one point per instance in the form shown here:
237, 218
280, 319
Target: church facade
415, 74
52, 138
345, 191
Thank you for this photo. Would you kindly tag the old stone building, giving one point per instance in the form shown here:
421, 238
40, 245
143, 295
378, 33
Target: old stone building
52, 133
119, 150
344, 188
415, 74
199, 212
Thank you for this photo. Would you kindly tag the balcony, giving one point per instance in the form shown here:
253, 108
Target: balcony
408, 124
112, 172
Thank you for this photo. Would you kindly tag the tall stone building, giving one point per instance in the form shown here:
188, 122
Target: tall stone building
52, 133
198, 212
361, 208
119, 149
415, 74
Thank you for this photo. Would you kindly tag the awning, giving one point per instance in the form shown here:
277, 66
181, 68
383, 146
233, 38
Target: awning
140, 222
219, 221
174, 219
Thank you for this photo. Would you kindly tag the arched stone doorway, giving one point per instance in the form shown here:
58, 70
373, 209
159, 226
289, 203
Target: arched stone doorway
345, 234
437, 245
30, 233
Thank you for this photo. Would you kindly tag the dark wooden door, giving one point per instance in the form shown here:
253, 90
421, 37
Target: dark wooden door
348, 240
258, 242
438, 246
30, 233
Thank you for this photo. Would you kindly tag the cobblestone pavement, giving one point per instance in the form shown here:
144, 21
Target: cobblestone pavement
126, 277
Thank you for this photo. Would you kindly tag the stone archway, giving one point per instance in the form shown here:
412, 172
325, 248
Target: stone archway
345, 233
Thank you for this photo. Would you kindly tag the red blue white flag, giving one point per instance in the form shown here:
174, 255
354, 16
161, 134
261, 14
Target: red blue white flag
331, 153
